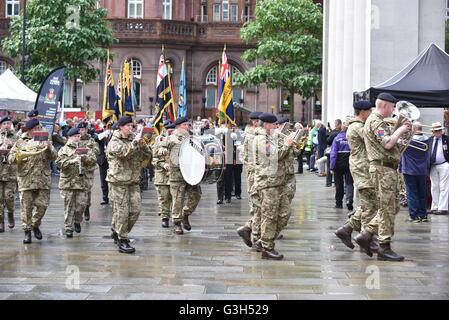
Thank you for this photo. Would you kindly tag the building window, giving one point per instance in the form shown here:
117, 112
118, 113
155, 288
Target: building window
225, 10
447, 9
68, 94
3, 66
234, 13
217, 12
246, 14
12, 8
137, 68
211, 87
167, 5
98, 4
135, 9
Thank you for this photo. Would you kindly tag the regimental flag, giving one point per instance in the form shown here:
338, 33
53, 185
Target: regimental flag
110, 97
127, 100
225, 104
164, 95
182, 101
119, 108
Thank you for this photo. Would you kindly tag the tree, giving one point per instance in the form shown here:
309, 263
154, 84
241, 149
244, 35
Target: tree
288, 42
71, 32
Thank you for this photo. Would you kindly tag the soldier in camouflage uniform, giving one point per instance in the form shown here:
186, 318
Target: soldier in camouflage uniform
384, 155
184, 196
269, 180
87, 141
125, 154
73, 182
34, 177
359, 167
248, 161
161, 178
8, 174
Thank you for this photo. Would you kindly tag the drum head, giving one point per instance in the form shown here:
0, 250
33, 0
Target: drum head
192, 161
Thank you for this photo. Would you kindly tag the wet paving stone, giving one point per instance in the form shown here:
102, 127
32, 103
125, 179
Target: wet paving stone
211, 262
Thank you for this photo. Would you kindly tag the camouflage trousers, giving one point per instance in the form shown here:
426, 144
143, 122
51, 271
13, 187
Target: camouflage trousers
185, 199
75, 202
90, 183
250, 181
385, 181
7, 189
126, 206
366, 210
39, 198
270, 220
165, 200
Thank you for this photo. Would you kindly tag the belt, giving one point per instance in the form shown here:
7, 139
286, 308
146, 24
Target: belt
387, 164
437, 164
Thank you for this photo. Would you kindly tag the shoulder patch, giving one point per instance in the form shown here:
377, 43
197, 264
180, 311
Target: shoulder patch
380, 133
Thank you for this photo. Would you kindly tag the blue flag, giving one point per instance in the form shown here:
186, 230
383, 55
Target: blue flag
182, 101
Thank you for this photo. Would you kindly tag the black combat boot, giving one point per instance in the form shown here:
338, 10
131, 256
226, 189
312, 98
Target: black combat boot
165, 223
386, 254
374, 245
344, 234
69, 233
124, 247
245, 233
186, 223
280, 236
364, 241
177, 229
258, 245
87, 214
37, 233
114, 236
271, 254
11, 221
27, 238
77, 227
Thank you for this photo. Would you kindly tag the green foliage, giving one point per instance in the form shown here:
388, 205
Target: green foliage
53, 41
288, 39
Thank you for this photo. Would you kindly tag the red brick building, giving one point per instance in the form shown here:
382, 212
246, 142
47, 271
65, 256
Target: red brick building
190, 30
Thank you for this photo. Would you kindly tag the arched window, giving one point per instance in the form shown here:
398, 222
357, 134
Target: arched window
211, 86
3, 66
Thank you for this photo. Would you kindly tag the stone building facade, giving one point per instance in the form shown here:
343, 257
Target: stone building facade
191, 30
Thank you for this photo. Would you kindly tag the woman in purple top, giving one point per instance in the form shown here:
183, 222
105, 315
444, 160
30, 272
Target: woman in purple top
339, 164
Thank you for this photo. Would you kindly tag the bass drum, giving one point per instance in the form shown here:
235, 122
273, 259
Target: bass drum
201, 159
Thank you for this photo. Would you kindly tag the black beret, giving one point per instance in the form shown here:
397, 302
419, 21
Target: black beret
30, 124
167, 123
268, 117
73, 131
255, 115
362, 105
181, 120
114, 126
282, 120
82, 124
387, 97
33, 113
124, 120
4, 119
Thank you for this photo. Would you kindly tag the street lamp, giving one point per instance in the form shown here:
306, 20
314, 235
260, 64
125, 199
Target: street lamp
241, 110
23, 40
204, 107
303, 118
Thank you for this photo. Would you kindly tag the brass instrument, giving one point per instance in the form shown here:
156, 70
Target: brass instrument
26, 152
4, 150
406, 111
79, 152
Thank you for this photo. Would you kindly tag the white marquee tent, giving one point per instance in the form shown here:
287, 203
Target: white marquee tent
14, 95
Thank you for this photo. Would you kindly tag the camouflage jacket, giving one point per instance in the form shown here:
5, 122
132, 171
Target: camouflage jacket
358, 158
125, 158
377, 135
173, 146
248, 150
160, 158
269, 168
33, 172
70, 167
87, 141
8, 172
